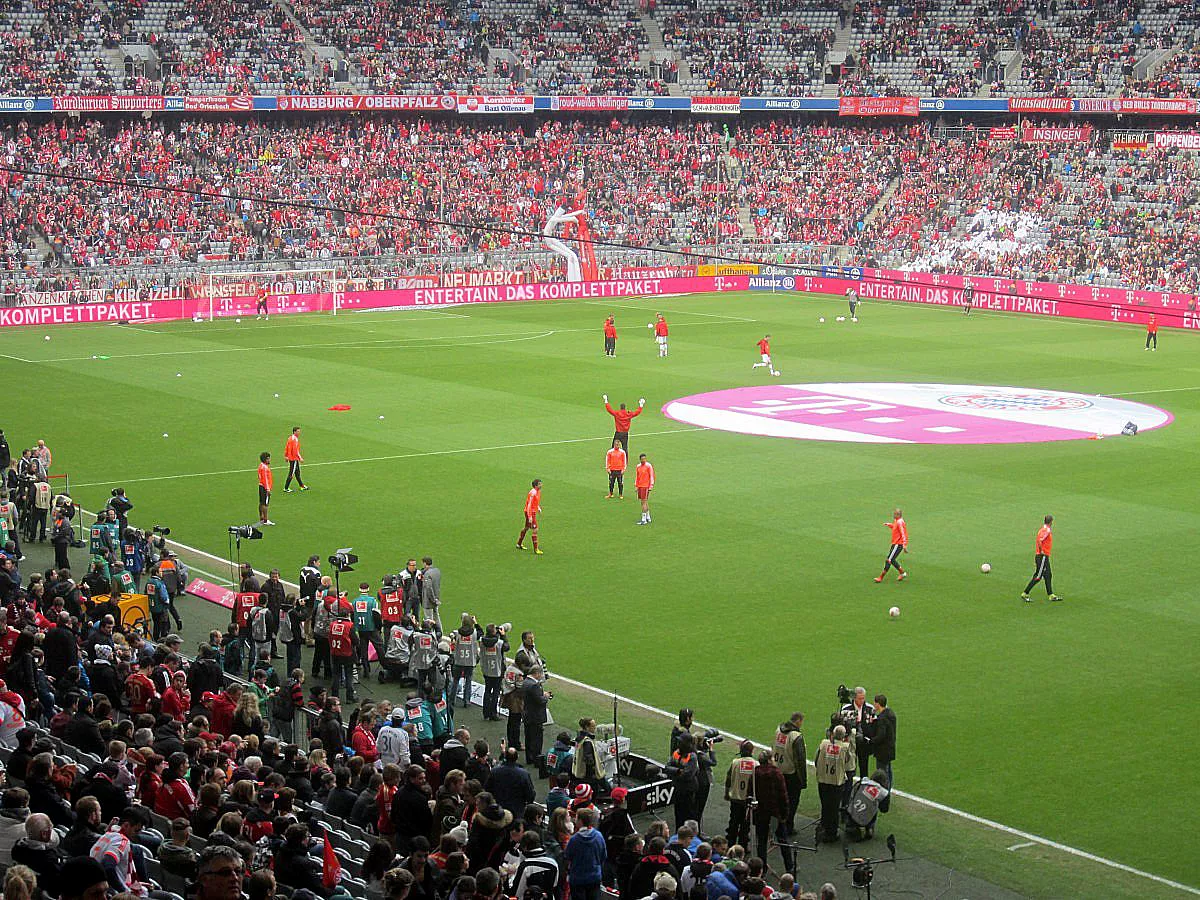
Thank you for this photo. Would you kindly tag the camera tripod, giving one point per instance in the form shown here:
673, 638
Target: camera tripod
863, 869
788, 848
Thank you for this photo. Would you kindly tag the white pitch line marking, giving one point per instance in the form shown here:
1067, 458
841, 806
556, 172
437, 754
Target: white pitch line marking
1158, 391
389, 458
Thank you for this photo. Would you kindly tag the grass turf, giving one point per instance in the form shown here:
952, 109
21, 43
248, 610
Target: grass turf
751, 593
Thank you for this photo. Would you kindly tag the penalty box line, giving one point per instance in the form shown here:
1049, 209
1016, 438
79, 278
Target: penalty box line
389, 458
921, 801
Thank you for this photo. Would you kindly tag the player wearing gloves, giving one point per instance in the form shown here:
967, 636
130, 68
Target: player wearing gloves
622, 417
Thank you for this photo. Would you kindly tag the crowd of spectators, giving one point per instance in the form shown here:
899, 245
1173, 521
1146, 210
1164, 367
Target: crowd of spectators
130, 766
685, 185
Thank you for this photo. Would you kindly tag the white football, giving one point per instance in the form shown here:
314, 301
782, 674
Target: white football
777, 374
164, 434
985, 568
47, 337
237, 320
894, 612
649, 324
822, 320
841, 318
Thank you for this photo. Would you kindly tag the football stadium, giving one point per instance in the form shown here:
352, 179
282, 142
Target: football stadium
618, 450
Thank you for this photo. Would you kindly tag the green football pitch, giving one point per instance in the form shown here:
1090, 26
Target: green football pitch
751, 594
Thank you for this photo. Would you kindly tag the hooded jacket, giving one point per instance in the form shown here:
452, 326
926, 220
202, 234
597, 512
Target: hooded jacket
487, 828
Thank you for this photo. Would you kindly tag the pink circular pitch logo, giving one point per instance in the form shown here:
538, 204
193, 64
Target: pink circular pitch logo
908, 413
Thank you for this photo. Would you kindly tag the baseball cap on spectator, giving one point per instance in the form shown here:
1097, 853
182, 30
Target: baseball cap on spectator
172, 639
619, 794
664, 881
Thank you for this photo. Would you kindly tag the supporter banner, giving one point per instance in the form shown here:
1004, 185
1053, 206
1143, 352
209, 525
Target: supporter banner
1183, 140
98, 295
491, 276
116, 103
1094, 104
720, 106
1039, 104
367, 102
608, 272
1130, 140
499, 105
1182, 106
1052, 134
879, 106
210, 104
1007, 133
585, 103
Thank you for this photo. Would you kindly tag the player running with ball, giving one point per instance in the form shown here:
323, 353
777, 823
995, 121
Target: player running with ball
899, 545
764, 348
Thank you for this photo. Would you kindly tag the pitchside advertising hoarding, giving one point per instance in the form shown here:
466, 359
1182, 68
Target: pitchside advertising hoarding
1000, 294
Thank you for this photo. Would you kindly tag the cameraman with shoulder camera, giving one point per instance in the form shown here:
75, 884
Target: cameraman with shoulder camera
859, 717
792, 759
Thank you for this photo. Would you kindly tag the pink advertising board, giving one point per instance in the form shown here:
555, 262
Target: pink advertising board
1039, 298
228, 307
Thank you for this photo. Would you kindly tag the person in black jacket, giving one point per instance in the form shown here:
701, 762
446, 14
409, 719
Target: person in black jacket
40, 851
61, 647
340, 802
883, 743
294, 867
99, 784
103, 676
683, 769
536, 699
511, 785
411, 813
83, 731
86, 830
330, 729
43, 794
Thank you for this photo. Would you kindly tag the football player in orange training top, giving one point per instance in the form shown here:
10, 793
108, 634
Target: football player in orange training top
899, 545
643, 480
614, 464
1152, 333
1041, 561
533, 506
610, 336
660, 335
764, 348
265, 481
291, 452
621, 418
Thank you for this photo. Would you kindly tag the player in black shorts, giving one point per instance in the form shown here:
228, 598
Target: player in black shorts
968, 298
